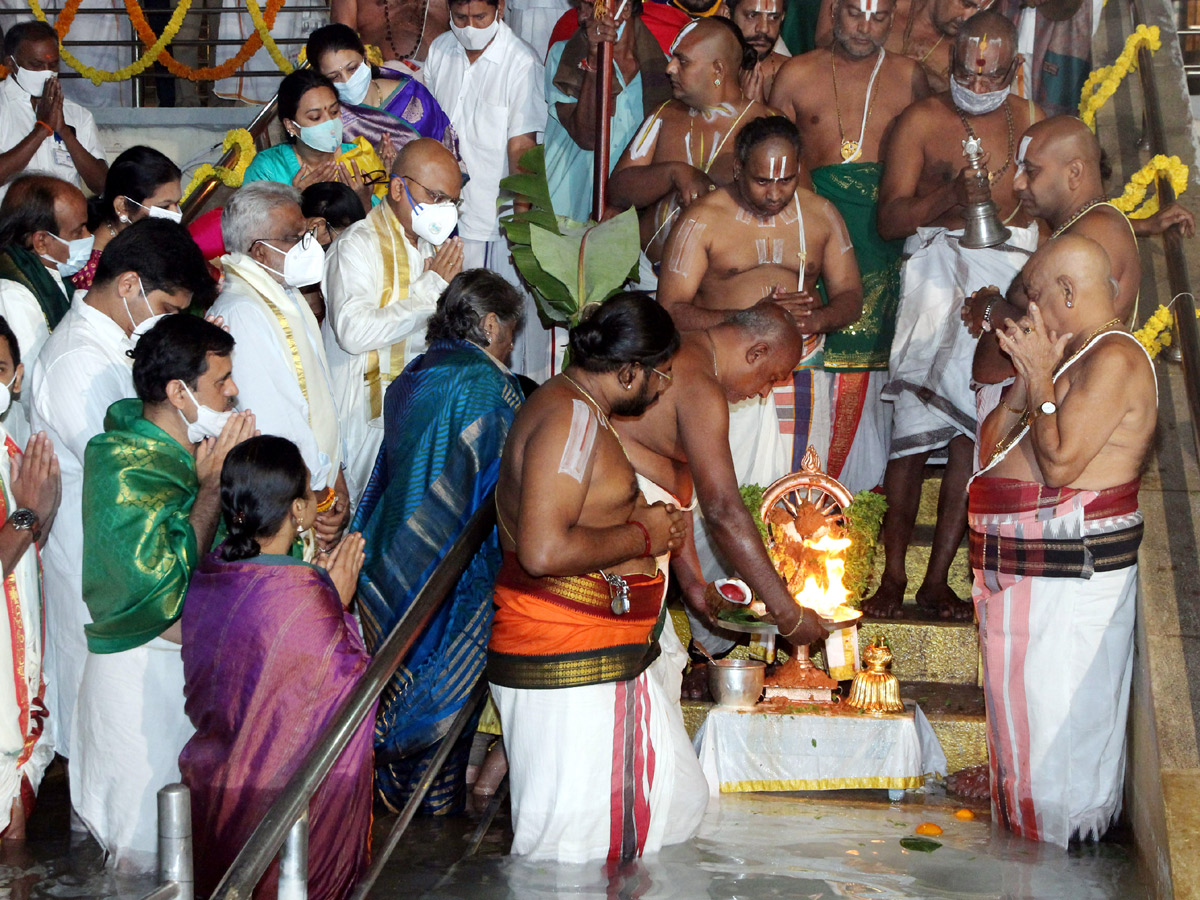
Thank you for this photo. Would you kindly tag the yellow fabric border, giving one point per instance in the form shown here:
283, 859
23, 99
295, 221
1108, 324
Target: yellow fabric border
397, 279
823, 784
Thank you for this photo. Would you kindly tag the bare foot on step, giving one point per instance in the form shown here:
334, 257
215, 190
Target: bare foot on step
885, 603
938, 600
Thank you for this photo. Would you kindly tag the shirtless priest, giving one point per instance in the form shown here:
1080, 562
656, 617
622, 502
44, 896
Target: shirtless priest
1055, 530
685, 147
921, 197
599, 759
763, 237
845, 102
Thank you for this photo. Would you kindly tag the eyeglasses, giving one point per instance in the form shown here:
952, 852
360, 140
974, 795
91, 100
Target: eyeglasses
304, 240
435, 197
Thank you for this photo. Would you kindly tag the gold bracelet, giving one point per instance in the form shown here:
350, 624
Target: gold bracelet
1015, 412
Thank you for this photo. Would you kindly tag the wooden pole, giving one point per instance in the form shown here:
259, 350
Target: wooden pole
604, 78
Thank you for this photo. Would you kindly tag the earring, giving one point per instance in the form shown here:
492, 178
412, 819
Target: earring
123, 219
1070, 305
717, 82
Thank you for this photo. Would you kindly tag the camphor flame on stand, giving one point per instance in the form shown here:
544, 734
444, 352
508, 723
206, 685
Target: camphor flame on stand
826, 600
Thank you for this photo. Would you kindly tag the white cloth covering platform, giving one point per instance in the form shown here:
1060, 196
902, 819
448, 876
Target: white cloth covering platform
817, 748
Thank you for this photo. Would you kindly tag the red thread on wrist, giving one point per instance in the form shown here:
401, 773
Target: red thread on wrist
645, 535
44, 125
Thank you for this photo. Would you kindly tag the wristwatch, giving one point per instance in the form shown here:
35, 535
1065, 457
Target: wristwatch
1046, 408
25, 519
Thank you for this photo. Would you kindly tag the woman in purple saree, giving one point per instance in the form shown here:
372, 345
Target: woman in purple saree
386, 106
269, 654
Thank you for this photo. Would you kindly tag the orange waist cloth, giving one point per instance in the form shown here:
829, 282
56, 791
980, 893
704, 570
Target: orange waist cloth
557, 615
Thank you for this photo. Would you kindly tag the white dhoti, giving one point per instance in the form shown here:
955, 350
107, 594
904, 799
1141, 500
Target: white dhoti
930, 365
129, 730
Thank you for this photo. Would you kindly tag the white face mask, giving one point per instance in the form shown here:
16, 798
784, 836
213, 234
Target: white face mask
475, 39
209, 422
974, 104
354, 89
78, 253
432, 221
303, 264
140, 328
6, 395
157, 212
32, 82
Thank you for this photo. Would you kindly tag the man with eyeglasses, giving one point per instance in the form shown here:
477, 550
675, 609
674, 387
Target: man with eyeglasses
280, 364
382, 282
925, 188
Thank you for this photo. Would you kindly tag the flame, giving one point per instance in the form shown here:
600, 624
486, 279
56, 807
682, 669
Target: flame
825, 600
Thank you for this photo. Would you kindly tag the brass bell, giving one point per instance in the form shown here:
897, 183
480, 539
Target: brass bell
983, 227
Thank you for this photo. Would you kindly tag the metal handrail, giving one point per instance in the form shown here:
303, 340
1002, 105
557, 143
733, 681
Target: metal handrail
265, 842
1186, 330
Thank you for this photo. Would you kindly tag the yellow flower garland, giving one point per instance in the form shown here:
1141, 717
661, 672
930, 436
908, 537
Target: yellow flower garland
1155, 334
147, 59
265, 33
1131, 201
1103, 82
232, 176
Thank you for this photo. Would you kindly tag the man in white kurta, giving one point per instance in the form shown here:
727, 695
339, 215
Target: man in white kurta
382, 282
26, 748
280, 364
69, 149
81, 371
494, 96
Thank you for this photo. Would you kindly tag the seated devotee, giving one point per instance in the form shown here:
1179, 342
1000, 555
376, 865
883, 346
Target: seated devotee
1058, 180
151, 504
574, 647
1055, 530
868, 87
684, 149
281, 367
760, 22
141, 183
386, 106
330, 207
40, 130
923, 30
44, 239
314, 152
263, 676
926, 184
30, 489
151, 269
381, 284
490, 82
682, 442
445, 422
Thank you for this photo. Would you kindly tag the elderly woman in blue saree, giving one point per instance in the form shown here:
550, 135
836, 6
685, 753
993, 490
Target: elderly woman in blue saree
446, 419
387, 107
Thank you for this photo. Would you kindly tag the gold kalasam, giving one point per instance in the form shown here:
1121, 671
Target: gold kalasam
875, 689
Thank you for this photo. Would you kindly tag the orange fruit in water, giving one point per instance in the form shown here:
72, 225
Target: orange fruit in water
965, 814
928, 828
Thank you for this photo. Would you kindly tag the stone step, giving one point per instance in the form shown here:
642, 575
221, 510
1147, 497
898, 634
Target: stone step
955, 713
945, 652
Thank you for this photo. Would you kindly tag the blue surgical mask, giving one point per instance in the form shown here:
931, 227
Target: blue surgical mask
325, 137
354, 89
78, 253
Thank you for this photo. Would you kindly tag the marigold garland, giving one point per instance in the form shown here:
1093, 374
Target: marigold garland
1134, 202
210, 73
230, 176
264, 32
1155, 334
1103, 82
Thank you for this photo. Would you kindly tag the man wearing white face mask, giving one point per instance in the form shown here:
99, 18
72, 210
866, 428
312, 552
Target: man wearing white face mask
281, 363
142, 538
922, 196
150, 269
43, 237
382, 282
489, 82
39, 129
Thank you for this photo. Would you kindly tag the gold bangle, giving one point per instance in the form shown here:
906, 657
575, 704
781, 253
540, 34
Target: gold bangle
1015, 412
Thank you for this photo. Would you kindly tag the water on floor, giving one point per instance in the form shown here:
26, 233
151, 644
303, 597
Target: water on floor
804, 845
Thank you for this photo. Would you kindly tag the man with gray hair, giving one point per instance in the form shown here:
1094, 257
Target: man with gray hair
280, 365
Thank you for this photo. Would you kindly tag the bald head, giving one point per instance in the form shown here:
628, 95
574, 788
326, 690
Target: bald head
428, 171
1070, 279
425, 156
41, 204
1066, 138
986, 37
1058, 169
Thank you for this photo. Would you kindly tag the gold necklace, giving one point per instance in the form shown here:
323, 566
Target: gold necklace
851, 149
1079, 214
